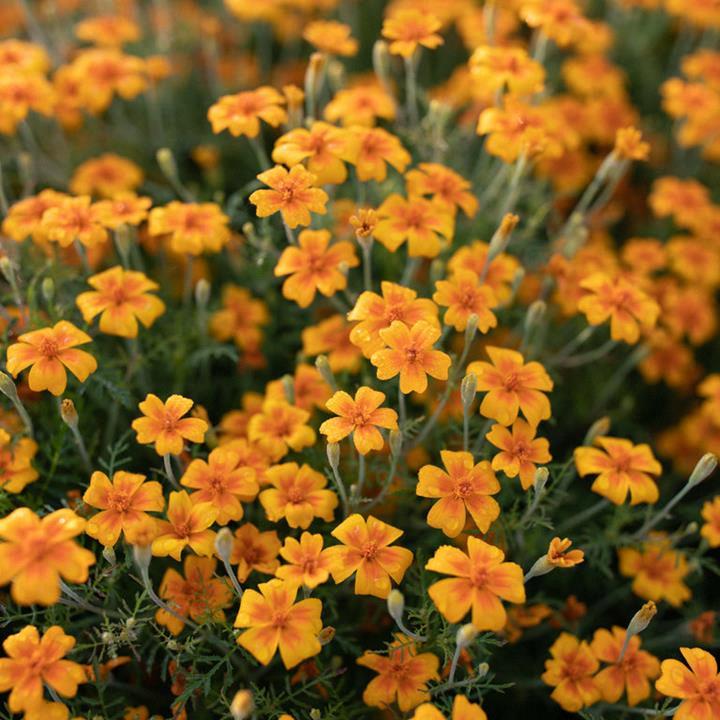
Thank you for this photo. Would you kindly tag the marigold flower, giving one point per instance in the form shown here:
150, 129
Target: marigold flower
198, 595
481, 579
309, 564
16, 470
631, 674
123, 504
193, 228
697, 687
35, 553
314, 265
462, 709
511, 69
360, 416
48, 352
24, 219
424, 225
298, 494
255, 550
366, 551
163, 423
628, 308
409, 27
21, 56
240, 317
570, 672
403, 675
19, 94
121, 298
512, 386
108, 30
280, 427
464, 295
331, 37
499, 272
622, 467
464, 487
446, 187
362, 105
309, 389
560, 20
332, 337
186, 525
364, 223
125, 208
521, 451
321, 146
371, 150
629, 144
32, 662
657, 570
277, 622
375, 312
241, 113
107, 176
711, 514
223, 482
73, 219
410, 354
683, 199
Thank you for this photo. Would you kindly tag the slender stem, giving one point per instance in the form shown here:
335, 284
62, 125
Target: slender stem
580, 518
4, 205
583, 336
233, 578
411, 90
84, 604
409, 633
589, 356
341, 491
411, 267
161, 603
466, 427
514, 186
386, 485
454, 663
169, 471
77, 436
655, 519
82, 255
402, 411
361, 474
367, 262
260, 153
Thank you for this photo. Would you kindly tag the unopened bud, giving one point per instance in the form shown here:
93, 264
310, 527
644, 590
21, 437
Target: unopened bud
323, 367
172, 645
224, 544
501, 238
343, 268
166, 161
468, 389
288, 385
482, 670
598, 429
534, 314
8, 388
705, 467
396, 605
517, 280
540, 480
68, 413
641, 619
395, 442
142, 555
202, 293
326, 635
109, 555
465, 635
242, 705
123, 243
315, 714
47, 288
8, 269
335, 75
437, 269
333, 455
381, 62
692, 528
106, 637
471, 328
312, 77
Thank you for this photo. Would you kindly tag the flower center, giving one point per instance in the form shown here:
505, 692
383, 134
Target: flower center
370, 550
511, 382
119, 501
295, 495
49, 348
463, 488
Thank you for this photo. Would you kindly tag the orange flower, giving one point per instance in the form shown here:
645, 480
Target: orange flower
49, 351
223, 482
464, 487
123, 503
500, 272
361, 104
309, 388
121, 298
240, 318
187, 524
520, 451
35, 661
374, 312
629, 144
293, 194
426, 226
254, 550
322, 146
403, 675
371, 150
16, 470
622, 467
463, 295
512, 386
276, 621
481, 579
698, 687
24, 219
74, 219
448, 189
199, 595
711, 514
241, 113
193, 228
569, 672
279, 428
364, 222
332, 336
309, 564
314, 265
125, 208
163, 424
365, 551
506, 69
407, 28
108, 176
331, 37
657, 570
631, 674
108, 30
37, 552
462, 709
628, 308
410, 354
21, 93
361, 417
298, 494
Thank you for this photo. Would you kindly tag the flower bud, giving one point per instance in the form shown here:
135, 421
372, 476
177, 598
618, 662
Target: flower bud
705, 467
482, 670
166, 161
202, 293
288, 385
224, 544
598, 429
641, 619
7, 387
335, 75
333, 455
47, 288
109, 555
396, 605
540, 480
312, 77
123, 242
315, 714
535, 314
8, 269
242, 705
381, 62
68, 413
395, 442
501, 238
471, 328
468, 390
323, 367
326, 635
142, 555
466, 635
